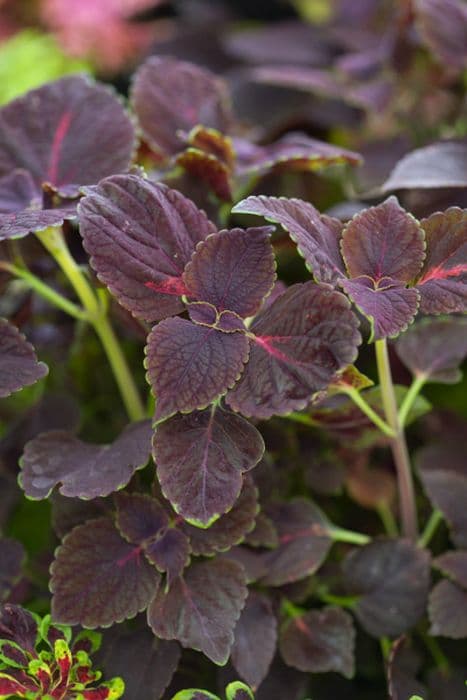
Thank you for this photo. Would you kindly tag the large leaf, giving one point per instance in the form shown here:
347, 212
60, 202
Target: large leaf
136, 233
19, 366
303, 542
299, 342
447, 609
232, 270
317, 236
12, 556
200, 460
98, 578
201, 610
70, 132
392, 578
441, 164
434, 349
255, 639
319, 641
170, 97
83, 470
443, 279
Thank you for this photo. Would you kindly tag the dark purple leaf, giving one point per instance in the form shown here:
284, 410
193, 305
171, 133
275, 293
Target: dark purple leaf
201, 610
454, 565
69, 132
19, 366
19, 626
319, 641
383, 241
443, 280
170, 553
67, 513
139, 233
171, 96
282, 682
387, 303
252, 562
232, 270
17, 191
200, 460
303, 542
12, 557
205, 314
434, 349
392, 579
264, 534
207, 168
402, 667
18, 224
83, 470
145, 663
443, 28
317, 236
447, 610
255, 639
230, 528
300, 341
441, 164
98, 578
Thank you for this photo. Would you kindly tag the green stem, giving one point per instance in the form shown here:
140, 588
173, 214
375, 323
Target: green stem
434, 520
398, 444
368, 411
289, 609
54, 241
339, 534
340, 600
300, 418
385, 644
414, 390
439, 657
388, 520
45, 291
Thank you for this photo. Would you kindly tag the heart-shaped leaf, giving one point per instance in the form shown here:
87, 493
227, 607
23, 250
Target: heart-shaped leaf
201, 609
151, 231
83, 470
98, 578
319, 641
200, 460
299, 342
19, 366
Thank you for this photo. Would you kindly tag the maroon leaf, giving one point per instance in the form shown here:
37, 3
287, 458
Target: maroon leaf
299, 342
17, 191
206, 315
18, 224
255, 640
19, 366
317, 236
19, 626
12, 557
443, 280
383, 241
98, 578
70, 132
443, 27
387, 303
303, 542
454, 565
392, 578
433, 349
140, 236
447, 609
201, 610
441, 164
200, 460
232, 270
319, 641
402, 667
264, 533
205, 167
171, 96
170, 553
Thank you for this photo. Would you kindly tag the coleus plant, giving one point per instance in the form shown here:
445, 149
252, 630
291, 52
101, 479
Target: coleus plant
221, 547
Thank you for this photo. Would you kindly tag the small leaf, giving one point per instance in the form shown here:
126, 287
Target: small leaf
200, 460
19, 626
320, 641
442, 282
207, 168
303, 542
12, 557
19, 366
98, 578
201, 609
195, 694
83, 470
255, 639
18, 224
190, 366
392, 578
238, 691
447, 610
434, 349
140, 235
170, 97
317, 236
299, 342
441, 164
232, 270
454, 565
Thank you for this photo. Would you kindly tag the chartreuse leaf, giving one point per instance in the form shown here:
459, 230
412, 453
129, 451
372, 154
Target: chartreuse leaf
152, 232
238, 691
201, 458
442, 282
195, 694
298, 344
19, 366
83, 470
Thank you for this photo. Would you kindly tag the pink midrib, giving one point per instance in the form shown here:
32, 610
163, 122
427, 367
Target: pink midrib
60, 133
